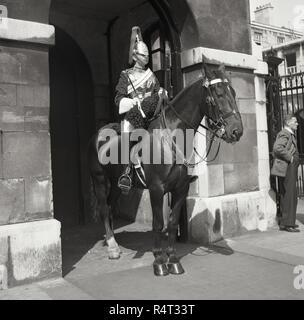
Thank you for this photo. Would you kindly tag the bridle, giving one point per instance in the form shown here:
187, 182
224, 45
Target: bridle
216, 127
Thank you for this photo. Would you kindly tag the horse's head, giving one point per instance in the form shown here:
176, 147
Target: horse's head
223, 115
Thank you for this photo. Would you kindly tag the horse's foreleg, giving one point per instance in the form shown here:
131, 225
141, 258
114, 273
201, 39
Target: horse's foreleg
178, 198
100, 187
159, 264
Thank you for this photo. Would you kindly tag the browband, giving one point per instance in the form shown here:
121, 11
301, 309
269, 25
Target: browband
218, 80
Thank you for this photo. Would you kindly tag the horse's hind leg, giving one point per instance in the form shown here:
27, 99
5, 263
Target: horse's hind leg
159, 264
178, 198
100, 186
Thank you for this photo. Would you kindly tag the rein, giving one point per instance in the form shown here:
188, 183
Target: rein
219, 125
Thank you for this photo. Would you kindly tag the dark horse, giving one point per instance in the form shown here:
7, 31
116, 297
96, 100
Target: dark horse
211, 96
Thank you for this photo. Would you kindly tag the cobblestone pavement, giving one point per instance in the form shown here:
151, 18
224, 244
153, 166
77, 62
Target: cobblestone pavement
259, 265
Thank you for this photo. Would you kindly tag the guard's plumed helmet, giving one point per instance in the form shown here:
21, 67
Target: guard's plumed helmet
138, 49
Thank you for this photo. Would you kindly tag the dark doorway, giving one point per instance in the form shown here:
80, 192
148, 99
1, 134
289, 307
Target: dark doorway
71, 126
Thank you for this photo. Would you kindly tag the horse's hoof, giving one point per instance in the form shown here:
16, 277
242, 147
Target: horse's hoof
114, 253
175, 268
160, 269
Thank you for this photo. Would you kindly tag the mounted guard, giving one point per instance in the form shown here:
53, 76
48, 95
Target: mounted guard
137, 96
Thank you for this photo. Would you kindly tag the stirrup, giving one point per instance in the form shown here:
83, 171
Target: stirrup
125, 183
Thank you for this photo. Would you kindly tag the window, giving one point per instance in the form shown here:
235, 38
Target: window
258, 37
160, 56
291, 63
280, 39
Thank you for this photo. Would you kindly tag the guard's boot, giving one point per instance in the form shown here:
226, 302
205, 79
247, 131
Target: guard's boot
125, 181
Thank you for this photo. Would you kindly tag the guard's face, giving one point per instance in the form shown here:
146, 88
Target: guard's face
141, 54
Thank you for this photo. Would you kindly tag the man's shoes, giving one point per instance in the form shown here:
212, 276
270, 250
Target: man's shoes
289, 229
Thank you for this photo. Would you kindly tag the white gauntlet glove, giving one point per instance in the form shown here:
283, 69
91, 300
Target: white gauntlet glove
161, 91
125, 105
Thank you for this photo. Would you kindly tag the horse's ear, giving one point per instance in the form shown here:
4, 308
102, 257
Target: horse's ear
222, 68
205, 70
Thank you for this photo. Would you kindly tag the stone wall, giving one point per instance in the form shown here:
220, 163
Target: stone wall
233, 195
25, 142
25, 158
214, 24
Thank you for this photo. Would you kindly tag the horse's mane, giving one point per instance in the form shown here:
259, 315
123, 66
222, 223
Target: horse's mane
184, 91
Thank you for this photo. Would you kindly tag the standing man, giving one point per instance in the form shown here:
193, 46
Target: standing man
285, 149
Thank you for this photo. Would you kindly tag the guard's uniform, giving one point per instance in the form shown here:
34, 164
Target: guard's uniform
140, 84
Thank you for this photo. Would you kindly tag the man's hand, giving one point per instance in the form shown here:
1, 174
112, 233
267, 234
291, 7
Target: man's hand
163, 91
126, 104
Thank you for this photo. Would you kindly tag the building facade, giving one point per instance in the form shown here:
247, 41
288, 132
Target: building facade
265, 33
59, 64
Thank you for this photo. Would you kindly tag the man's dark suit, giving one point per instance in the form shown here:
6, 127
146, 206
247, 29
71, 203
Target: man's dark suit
285, 148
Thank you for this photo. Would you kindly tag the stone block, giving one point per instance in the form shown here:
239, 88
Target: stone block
34, 251
246, 106
211, 219
38, 198
42, 96
216, 180
231, 219
243, 84
12, 118
3, 277
26, 155
262, 144
243, 178
36, 119
225, 155
11, 201
24, 66
249, 122
245, 149
1, 156
3, 250
192, 75
8, 95
261, 116
33, 96
260, 89
25, 95
264, 175
250, 211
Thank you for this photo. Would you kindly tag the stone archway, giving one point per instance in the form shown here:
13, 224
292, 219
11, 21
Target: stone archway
71, 126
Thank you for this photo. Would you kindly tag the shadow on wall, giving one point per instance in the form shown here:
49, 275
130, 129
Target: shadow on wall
206, 228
